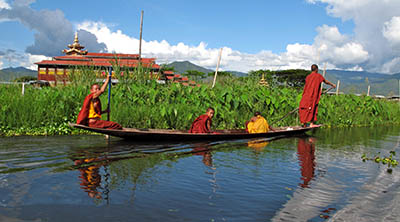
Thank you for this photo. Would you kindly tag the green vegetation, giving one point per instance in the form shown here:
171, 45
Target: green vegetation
389, 161
140, 102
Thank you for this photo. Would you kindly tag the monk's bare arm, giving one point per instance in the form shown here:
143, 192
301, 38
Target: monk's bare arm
329, 83
102, 89
208, 125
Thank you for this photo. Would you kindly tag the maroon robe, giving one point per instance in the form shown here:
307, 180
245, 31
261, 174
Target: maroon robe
308, 108
83, 116
199, 125
306, 154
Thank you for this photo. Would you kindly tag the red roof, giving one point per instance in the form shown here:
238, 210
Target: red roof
168, 72
100, 59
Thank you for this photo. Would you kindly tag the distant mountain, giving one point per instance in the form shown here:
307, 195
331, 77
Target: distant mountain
357, 82
9, 74
182, 67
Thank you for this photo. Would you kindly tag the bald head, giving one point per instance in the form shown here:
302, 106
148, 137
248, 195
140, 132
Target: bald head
314, 68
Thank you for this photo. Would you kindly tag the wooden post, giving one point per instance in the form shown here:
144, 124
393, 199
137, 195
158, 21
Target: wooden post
140, 38
369, 87
216, 70
23, 88
323, 74
337, 87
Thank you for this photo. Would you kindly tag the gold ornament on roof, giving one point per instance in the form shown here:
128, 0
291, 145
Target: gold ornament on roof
75, 48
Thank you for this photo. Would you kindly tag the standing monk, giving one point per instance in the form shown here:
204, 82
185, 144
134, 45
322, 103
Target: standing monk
311, 94
90, 114
202, 124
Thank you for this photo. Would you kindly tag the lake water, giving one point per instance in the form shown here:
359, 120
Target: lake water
87, 178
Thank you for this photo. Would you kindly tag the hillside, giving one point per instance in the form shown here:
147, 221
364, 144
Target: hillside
182, 67
357, 82
9, 74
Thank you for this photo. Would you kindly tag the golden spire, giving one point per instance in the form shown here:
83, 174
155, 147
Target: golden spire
75, 48
263, 82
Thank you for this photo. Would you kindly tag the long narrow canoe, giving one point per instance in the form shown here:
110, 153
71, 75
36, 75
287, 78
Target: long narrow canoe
183, 135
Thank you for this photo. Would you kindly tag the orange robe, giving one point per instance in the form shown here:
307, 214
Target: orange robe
83, 116
199, 125
308, 108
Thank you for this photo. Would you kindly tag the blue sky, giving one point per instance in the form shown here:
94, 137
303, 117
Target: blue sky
352, 35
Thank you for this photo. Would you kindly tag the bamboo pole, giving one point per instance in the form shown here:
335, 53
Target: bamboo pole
337, 88
216, 70
323, 74
369, 87
140, 38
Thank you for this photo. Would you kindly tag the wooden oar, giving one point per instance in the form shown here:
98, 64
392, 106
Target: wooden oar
291, 112
109, 94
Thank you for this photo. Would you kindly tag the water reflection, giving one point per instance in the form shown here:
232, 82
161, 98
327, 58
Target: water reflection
306, 155
90, 178
49, 178
258, 145
203, 149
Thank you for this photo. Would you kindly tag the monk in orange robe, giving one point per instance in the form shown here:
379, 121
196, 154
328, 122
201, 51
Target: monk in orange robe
202, 124
90, 114
308, 108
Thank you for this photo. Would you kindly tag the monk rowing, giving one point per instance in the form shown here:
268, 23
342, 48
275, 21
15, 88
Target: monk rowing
90, 114
308, 108
202, 124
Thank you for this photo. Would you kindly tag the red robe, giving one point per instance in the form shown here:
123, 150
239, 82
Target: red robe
83, 116
305, 152
308, 109
199, 125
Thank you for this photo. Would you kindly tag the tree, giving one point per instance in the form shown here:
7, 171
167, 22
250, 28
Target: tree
25, 79
221, 73
165, 67
291, 77
194, 74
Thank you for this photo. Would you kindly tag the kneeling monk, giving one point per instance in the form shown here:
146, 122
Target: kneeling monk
202, 124
257, 124
90, 114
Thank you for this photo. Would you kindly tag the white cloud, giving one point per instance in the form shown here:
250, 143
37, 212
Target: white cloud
15, 59
4, 4
374, 45
391, 31
376, 28
330, 45
392, 66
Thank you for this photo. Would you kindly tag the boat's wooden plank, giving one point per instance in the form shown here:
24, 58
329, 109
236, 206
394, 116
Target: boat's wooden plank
180, 135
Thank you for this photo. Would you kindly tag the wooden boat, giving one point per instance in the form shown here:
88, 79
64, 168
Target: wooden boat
183, 135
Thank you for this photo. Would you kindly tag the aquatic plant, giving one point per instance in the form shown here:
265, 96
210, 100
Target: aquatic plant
389, 161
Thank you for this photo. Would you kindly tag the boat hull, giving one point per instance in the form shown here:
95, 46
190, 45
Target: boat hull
180, 135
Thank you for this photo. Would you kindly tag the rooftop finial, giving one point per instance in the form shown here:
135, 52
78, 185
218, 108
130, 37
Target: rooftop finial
75, 48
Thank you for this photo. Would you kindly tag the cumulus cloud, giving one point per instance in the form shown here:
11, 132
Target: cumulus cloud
391, 31
376, 28
4, 4
374, 45
334, 47
13, 58
53, 32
